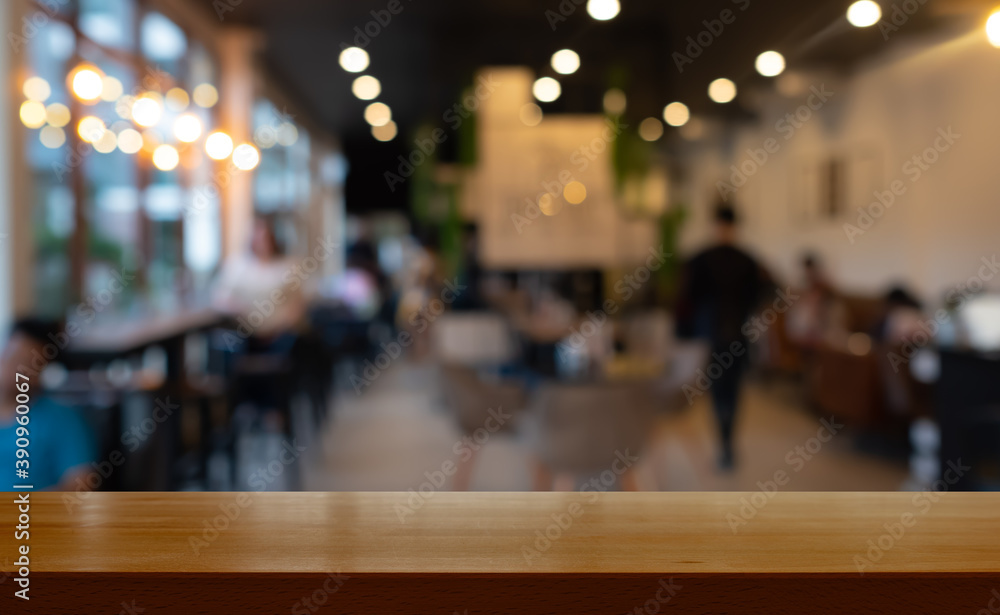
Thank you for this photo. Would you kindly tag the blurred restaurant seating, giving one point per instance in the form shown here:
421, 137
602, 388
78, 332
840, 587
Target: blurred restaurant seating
272, 250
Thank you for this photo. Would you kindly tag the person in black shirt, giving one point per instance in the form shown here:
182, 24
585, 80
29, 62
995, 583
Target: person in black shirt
720, 288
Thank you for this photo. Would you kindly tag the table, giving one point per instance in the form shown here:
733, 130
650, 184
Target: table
110, 340
510, 553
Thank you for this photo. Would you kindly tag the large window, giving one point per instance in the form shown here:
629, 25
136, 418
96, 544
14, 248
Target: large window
283, 181
117, 103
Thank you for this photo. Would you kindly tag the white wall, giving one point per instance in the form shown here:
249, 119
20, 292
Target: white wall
935, 235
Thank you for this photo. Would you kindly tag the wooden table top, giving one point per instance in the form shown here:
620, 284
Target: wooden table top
127, 335
490, 533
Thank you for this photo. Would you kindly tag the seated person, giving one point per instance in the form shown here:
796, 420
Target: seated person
901, 320
263, 290
61, 446
818, 317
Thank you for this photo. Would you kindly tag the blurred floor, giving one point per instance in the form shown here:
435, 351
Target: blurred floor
398, 433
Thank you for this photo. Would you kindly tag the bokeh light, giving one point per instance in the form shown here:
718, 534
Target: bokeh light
218, 145
354, 59
722, 90
366, 87
111, 89
574, 192
57, 114
603, 10
129, 141
36, 88
546, 89
676, 114
246, 157
52, 137
993, 29
651, 129
549, 205
32, 114
147, 110
177, 99
770, 64
165, 158
107, 143
205, 95
614, 101
530, 114
864, 13
378, 114
187, 128
385, 132
565, 61
90, 129
87, 83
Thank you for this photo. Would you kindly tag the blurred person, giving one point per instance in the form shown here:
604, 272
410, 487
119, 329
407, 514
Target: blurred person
61, 444
419, 282
263, 281
263, 292
817, 316
720, 288
902, 318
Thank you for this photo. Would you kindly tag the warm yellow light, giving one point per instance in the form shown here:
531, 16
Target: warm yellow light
111, 89
87, 83
548, 205
91, 129
993, 29
147, 110
770, 64
385, 132
575, 192
218, 145
52, 137
205, 95
530, 114
603, 10
378, 114
246, 157
177, 99
354, 59
32, 114
107, 143
864, 13
651, 129
614, 101
366, 87
722, 90
676, 114
36, 88
187, 128
129, 141
546, 89
165, 158
57, 114
565, 61
288, 134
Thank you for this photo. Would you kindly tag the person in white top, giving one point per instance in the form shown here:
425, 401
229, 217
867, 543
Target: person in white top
261, 289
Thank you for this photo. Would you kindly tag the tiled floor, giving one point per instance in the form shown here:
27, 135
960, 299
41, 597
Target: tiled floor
398, 435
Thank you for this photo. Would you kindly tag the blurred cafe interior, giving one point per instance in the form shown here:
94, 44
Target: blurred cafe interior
502, 246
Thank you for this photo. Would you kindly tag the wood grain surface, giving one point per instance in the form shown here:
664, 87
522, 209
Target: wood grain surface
510, 552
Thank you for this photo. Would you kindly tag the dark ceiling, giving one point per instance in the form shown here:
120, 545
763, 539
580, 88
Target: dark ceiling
429, 51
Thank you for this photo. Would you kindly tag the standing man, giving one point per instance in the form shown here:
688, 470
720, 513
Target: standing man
720, 288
